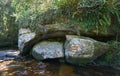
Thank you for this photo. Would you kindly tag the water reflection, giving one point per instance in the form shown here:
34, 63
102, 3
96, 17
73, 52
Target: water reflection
30, 67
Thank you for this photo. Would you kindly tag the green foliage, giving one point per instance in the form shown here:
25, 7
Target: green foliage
112, 57
5, 12
32, 13
7, 24
92, 12
87, 13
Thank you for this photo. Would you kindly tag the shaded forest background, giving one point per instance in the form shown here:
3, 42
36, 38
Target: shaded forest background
99, 15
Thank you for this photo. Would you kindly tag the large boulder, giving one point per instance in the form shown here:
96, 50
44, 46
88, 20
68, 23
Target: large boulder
27, 38
48, 50
82, 50
25, 35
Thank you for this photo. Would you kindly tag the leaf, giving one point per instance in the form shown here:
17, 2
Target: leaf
107, 19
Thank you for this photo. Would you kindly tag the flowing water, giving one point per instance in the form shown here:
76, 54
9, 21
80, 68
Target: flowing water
31, 67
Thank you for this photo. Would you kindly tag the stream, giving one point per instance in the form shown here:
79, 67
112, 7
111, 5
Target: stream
30, 67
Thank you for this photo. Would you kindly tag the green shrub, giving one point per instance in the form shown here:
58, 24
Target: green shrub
87, 13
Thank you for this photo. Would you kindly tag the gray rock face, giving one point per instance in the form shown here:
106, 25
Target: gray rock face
48, 50
25, 35
82, 50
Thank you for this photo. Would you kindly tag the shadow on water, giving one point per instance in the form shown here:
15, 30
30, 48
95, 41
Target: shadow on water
31, 67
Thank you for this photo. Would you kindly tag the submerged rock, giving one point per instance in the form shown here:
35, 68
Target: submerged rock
83, 50
48, 50
25, 35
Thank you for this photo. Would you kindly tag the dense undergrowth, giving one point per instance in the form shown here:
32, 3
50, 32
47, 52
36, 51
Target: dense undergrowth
87, 13
8, 28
